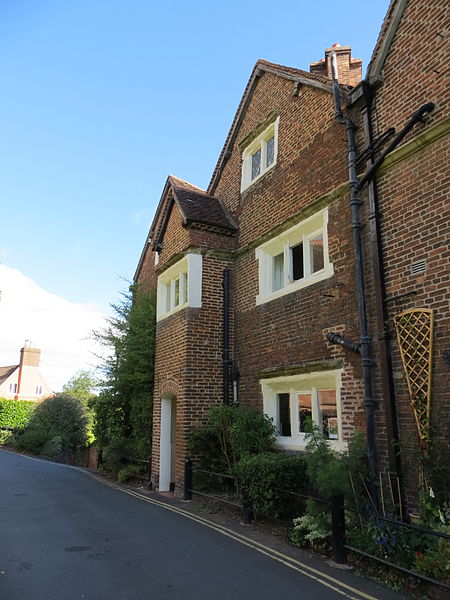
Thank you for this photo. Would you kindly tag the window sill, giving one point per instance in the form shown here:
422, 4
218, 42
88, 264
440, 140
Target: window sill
297, 285
296, 443
172, 312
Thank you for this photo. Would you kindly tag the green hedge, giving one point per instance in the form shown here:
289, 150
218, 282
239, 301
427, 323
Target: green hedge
261, 475
15, 413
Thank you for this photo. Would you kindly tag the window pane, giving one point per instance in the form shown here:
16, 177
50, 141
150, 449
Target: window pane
184, 298
304, 413
297, 262
284, 415
256, 163
168, 300
316, 253
177, 291
270, 151
328, 412
278, 272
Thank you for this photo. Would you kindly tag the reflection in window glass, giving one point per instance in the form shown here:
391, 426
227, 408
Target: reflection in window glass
316, 253
328, 412
278, 272
270, 151
256, 163
297, 262
304, 413
177, 292
168, 295
184, 298
284, 415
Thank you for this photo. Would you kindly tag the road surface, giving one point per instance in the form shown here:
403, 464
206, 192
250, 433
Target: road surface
65, 535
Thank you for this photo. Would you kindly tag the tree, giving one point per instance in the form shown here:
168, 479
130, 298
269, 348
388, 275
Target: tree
123, 409
80, 386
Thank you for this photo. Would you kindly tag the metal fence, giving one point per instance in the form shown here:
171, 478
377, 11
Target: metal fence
337, 510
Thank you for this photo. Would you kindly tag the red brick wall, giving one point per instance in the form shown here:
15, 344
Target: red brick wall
415, 210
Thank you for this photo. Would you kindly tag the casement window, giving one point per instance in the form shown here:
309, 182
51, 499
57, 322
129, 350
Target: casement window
180, 286
298, 402
295, 259
39, 390
13, 388
260, 156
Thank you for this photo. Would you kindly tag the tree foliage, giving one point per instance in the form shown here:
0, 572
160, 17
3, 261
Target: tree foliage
81, 386
123, 409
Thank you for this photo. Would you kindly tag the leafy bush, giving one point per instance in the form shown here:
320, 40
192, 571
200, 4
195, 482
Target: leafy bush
7, 437
312, 529
231, 434
333, 472
15, 413
116, 454
127, 473
434, 563
56, 429
261, 476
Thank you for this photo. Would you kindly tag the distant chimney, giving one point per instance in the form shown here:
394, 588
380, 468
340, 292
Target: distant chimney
349, 69
29, 357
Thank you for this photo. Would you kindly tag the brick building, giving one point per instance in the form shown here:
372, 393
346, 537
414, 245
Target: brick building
266, 253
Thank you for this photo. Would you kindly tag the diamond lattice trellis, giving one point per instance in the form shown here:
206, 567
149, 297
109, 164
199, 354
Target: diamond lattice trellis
415, 339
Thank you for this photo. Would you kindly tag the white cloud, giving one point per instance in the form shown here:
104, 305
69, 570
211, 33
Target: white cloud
58, 327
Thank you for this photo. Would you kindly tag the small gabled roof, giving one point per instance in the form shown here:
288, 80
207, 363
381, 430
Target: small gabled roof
196, 208
385, 38
263, 66
5, 372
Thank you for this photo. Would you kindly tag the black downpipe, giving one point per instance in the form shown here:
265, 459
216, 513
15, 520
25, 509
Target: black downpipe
226, 336
383, 342
366, 359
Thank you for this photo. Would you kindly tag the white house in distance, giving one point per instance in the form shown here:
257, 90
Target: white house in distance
24, 381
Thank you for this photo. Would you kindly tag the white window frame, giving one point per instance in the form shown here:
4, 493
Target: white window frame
13, 388
308, 383
186, 271
301, 233
259, 143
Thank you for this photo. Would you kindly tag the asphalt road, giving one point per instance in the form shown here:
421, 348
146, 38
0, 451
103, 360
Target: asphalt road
65, 535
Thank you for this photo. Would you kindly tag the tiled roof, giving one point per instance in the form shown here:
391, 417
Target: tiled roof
304, 77
197, 206
5, 372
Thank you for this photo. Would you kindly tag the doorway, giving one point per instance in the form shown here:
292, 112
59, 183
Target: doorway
167, 447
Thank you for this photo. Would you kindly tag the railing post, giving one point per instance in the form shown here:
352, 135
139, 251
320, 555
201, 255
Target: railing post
338, 528
187, 479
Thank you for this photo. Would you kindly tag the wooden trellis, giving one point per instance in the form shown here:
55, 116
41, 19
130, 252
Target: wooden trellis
415, 339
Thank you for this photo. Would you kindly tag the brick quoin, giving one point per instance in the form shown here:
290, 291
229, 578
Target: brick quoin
289, 333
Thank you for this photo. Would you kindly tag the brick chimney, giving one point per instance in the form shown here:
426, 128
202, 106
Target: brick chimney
349, 69
29, 357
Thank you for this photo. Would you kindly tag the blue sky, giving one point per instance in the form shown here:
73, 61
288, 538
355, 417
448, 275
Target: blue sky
102, 99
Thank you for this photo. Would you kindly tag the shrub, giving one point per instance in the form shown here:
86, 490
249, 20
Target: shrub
231, 434
7, 437
57, 427
127, 473
15, 413
116, 454
261, 476
312, 529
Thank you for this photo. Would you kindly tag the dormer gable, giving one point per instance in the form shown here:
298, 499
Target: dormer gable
196, 208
